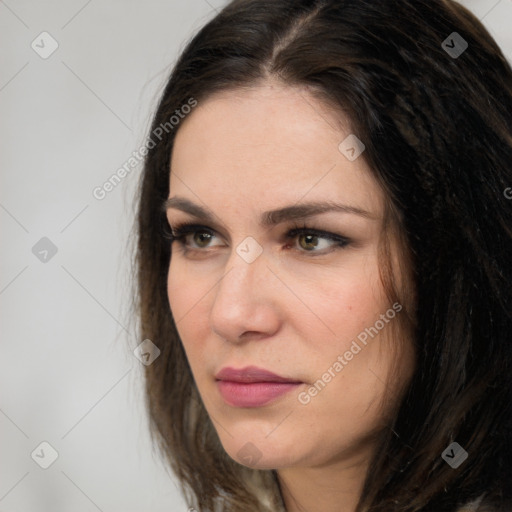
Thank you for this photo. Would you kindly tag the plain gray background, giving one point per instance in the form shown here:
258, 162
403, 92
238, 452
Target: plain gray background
68, 375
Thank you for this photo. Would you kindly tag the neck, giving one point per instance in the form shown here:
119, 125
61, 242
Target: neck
334, 487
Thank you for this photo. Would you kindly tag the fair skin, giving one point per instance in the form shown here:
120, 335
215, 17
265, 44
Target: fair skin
299, 304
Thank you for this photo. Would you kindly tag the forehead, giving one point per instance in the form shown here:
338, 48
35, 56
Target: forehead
266, 144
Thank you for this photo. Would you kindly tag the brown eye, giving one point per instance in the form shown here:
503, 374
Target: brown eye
192, 236
316, 242
201, 238
310, 241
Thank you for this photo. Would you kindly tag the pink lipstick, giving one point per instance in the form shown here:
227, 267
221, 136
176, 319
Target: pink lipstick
252, 386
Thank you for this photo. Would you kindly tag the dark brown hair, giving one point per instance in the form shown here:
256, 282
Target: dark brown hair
437, 130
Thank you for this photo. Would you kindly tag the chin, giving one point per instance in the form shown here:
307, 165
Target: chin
257, 452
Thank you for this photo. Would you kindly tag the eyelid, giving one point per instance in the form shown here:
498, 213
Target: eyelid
183, 229
186, 229
189, 226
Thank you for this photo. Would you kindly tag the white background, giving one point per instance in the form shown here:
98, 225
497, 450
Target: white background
67, 372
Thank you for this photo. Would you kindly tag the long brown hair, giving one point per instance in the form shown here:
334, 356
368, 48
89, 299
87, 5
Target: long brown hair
436, 119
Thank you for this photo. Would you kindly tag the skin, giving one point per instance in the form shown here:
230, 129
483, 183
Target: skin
239, 154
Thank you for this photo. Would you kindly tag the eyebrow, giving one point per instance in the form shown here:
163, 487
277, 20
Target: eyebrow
271, 217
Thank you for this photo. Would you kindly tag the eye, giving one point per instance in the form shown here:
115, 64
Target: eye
309, 239
194, 237
200, 235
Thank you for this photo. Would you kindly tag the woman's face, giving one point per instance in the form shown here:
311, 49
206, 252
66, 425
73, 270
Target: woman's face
245, 291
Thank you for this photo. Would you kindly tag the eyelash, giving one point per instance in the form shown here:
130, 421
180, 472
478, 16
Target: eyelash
179, 231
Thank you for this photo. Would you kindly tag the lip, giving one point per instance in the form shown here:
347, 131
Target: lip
252, 386
251, 374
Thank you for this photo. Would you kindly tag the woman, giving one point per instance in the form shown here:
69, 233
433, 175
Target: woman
324, 239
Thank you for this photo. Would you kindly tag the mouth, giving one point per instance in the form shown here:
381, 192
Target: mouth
252, 386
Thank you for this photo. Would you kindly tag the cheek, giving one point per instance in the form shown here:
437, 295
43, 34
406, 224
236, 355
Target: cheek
174, 291
188, 300
352, 300
180, 293
185, 291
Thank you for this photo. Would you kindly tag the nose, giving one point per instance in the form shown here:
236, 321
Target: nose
246, 302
